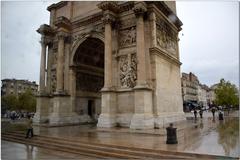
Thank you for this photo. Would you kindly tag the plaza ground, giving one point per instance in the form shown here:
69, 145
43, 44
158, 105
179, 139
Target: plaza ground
204, 136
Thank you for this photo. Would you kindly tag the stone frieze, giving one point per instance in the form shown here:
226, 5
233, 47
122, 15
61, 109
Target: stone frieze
127, 37
128, 70
166, 37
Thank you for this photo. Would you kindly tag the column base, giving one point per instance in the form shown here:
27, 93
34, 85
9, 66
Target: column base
142, 121
161, 121
106, 120
56, 119
63, 113
124, 119
44, 103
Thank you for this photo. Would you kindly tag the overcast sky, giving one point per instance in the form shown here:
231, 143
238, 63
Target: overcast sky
209, 41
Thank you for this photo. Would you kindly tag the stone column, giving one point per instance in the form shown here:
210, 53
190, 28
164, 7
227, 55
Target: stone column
108, 52
60, 62
143, 117
66, 67
107, 117
72, 82
42, 66
153, 29
49, 66
139, 10
72, 88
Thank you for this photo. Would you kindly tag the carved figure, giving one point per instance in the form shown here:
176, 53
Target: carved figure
128, 71
128, 36
166, 38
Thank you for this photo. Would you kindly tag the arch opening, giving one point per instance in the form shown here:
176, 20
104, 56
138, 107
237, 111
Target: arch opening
89, 67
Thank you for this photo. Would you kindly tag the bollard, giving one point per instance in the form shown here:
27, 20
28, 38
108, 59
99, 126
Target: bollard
171, 135
220, 116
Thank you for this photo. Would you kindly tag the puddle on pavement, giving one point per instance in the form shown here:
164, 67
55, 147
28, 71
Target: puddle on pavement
218, 137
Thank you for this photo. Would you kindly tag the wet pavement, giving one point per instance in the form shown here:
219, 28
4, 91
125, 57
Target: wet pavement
16, 151
205, 136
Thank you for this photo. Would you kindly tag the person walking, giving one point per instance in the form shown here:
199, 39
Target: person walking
201, 113
195, 113
213, 111
29, 127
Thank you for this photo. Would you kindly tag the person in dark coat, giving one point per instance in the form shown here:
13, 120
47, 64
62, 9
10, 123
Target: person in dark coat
201, 113
213, 111
195, 113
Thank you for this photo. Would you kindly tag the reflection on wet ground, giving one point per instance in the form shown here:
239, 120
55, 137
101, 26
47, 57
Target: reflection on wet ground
15, 151
206, 136
217, 137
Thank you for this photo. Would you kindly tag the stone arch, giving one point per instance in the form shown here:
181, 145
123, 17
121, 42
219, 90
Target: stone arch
87, 57
81, 40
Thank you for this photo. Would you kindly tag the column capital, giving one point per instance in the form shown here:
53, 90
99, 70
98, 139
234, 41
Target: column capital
46, 40
109, 18
109, 5
45, 30
139, 8
62, 35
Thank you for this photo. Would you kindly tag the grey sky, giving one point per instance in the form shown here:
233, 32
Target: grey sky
209, 47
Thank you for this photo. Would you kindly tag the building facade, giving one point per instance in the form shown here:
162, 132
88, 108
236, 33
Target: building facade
17, 87
190, 85
211, 96
114, 62
202, 95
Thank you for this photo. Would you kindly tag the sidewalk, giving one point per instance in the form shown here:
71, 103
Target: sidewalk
201, 136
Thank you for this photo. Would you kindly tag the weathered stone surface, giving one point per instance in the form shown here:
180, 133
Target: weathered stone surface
117, 62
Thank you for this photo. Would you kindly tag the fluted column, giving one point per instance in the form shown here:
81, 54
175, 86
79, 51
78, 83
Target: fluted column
49, 66
153, 29
108, 20
66, 64
60, 62
108, 53
42, 66
139, 10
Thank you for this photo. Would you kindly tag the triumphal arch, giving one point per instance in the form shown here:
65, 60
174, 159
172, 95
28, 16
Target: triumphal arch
114, 63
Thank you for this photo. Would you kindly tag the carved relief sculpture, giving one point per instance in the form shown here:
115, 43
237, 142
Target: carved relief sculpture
128, 71
166, 37
127, 36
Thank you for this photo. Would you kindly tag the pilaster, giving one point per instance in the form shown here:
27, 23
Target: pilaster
143, 109
139, 10
109, 99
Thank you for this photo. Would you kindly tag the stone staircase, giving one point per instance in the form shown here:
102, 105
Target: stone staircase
97, 150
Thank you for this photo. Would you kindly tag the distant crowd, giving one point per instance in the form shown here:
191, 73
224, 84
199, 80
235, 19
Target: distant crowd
15, 115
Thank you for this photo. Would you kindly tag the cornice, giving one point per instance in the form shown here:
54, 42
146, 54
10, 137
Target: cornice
57, 5
161, 6
109, 5
88, 20
165, 55
63, 22
126, 6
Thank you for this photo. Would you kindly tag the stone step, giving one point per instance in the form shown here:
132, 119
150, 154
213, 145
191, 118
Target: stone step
109, 148
142, 152
65, 148
50, 147
132, 153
